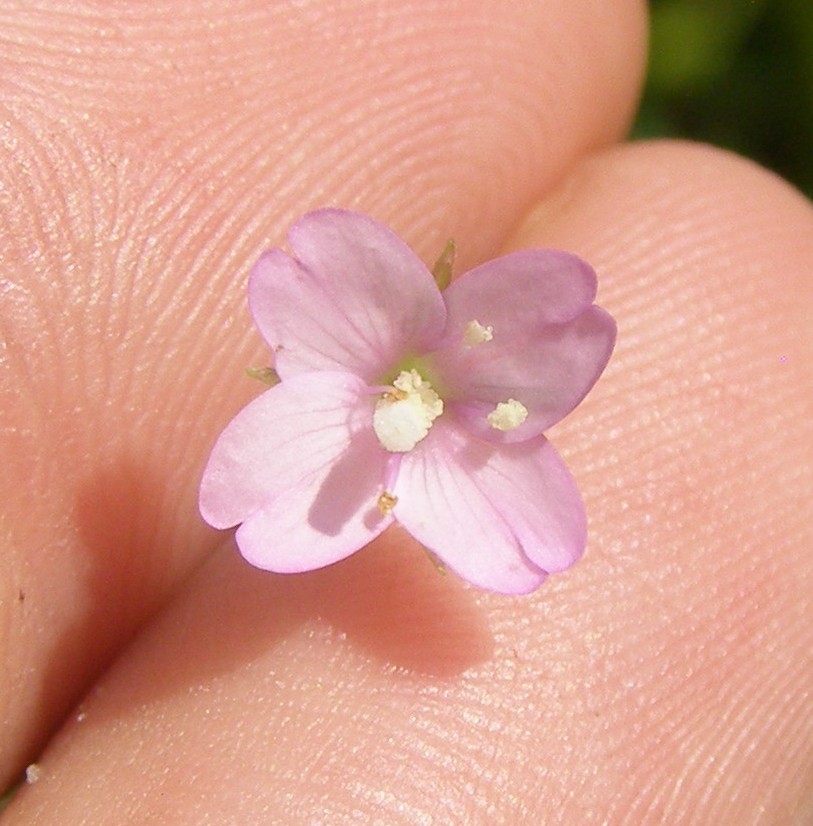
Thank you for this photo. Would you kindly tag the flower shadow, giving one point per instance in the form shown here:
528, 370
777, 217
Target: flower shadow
386, 604
395, 606
350, 482
117, 511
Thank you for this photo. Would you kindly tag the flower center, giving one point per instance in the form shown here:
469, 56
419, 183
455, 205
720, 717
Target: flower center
404, 414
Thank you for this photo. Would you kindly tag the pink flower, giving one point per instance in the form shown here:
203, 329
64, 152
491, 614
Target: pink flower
402, 403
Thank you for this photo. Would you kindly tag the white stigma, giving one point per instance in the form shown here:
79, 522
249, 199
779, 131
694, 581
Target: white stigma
476, 333
404, 415
508, 415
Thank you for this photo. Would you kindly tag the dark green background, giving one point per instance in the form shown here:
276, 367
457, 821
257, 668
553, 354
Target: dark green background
736, 73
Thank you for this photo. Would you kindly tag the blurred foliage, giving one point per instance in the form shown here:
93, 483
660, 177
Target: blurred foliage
736, 73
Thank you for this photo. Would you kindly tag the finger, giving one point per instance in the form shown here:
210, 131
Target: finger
152, 153
663, 679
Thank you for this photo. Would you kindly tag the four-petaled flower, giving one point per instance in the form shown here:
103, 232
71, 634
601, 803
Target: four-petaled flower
401, 403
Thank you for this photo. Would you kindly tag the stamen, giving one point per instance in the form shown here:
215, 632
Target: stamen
395, 395
476, 333
507, 415
386, 502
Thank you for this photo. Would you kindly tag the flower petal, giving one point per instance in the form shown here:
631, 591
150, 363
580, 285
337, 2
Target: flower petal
501, 516
287, 440
302, 469
325, 518
547, 344
521, 290
549, 370
354, 297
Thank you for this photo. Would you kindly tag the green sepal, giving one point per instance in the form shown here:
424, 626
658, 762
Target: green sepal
442, 271
267, 375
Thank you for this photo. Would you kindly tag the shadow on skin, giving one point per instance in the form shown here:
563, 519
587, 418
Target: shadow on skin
117, 511
386, 601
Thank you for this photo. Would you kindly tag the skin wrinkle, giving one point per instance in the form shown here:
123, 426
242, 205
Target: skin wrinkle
768, 398
423, 65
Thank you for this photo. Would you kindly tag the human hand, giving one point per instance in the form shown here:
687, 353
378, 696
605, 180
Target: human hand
149, 155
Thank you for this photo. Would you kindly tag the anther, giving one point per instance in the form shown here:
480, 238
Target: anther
386, 502
507, 415
476, 333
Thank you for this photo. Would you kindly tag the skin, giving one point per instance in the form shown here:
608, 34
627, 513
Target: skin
148, 155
